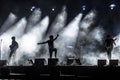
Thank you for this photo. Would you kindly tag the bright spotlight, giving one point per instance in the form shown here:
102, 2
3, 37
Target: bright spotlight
112, 6
53, 9
33, 8
84, 7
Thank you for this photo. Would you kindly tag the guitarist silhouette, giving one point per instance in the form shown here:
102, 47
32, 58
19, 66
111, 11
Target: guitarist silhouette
13, 47
109, 41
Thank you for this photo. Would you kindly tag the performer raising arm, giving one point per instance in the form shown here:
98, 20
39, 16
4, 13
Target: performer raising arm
51, 45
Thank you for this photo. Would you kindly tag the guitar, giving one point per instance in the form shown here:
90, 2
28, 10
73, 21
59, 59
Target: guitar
13, 46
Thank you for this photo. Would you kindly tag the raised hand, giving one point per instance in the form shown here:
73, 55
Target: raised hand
57, 34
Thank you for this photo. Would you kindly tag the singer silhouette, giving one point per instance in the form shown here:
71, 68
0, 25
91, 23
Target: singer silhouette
51, 45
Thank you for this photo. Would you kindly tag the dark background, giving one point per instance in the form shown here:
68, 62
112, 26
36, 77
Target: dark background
21, 8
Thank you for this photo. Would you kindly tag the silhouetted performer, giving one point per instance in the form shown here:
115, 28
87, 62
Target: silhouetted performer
109, 42
13, 47
51, 45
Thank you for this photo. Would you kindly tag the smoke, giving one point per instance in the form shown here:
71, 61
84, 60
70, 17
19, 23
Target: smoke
89, 41
78, 38
17, 30
28, 42
67, 38
8, 23
88, 20
33, 19
57, 25
91, 48
116, 50
59, 22
93, 44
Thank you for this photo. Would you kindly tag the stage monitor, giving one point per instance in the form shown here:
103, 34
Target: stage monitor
113, 62
3, 62
101, 62
53, 61
73, 61
39, 62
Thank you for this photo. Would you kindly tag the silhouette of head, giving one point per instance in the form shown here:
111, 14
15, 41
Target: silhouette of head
13, 38
51, 36
108, 36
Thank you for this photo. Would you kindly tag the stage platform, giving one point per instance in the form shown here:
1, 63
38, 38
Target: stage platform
82, 72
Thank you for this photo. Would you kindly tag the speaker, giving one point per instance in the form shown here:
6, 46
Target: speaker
53, 61
113, 62
101, 62
39, 62
3, 62
70, 61
4, 71
78, 61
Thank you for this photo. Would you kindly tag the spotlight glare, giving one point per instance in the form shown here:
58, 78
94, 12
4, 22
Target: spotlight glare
112, 6
84, 7
53, 9
33, 8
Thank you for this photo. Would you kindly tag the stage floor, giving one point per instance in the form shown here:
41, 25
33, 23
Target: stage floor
22, 72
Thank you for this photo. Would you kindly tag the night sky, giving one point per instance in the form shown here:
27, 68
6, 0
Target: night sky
22, 7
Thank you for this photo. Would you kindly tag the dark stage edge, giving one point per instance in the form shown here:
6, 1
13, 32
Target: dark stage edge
59, 72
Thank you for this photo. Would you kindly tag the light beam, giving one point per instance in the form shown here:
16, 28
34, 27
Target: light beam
28, 43
68, 37
59, 22
8, 23
33, 19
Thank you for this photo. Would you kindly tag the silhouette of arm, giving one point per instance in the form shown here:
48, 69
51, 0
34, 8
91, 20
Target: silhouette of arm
114, 42
105, 43
43, 42
17, 45
56, 37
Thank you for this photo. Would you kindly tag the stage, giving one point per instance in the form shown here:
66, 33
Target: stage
73, 72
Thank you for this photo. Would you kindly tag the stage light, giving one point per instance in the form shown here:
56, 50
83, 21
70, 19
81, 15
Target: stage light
112, 6
69, 47
59, 22
53, 9
84, 7
33, 8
